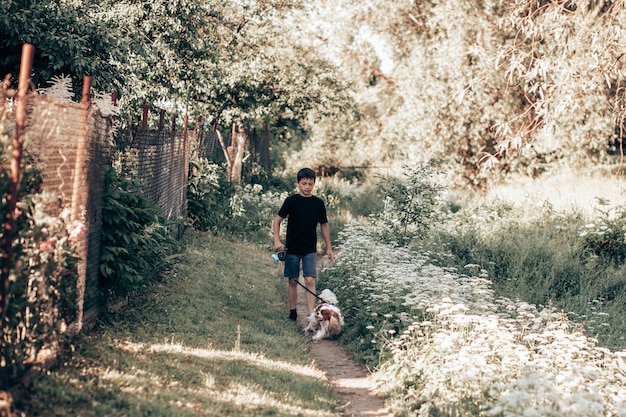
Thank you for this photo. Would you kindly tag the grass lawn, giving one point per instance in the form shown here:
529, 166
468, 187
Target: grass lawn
211, 339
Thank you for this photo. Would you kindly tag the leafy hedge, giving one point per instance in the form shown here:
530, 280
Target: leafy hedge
136, 242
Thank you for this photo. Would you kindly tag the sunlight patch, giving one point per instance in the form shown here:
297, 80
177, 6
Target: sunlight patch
249, 357
249, 397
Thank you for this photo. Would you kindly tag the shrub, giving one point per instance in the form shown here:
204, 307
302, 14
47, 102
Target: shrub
410, 205
208, 195
606, 235
217, 206
136, 242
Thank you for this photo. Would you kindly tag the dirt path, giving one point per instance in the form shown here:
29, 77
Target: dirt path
356, 391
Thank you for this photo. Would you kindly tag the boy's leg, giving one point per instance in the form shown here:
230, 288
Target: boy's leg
292, 292
309, 271
310, 298
292, 266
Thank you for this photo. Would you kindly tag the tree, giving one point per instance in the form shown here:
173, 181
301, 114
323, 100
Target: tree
270, 82
67, 38
568, 59
424, 78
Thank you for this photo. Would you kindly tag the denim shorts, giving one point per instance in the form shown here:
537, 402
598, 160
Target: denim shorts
292, 265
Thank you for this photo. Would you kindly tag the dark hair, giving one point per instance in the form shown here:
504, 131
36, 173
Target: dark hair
306, 173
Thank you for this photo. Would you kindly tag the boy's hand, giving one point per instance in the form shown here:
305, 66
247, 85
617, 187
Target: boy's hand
330, 254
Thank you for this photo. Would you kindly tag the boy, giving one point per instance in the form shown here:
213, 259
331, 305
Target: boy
304, 211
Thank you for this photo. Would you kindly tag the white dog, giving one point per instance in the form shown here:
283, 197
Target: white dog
326, 320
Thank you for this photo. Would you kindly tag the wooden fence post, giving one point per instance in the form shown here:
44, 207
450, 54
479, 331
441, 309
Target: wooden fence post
80, 149
200, 145
10, 231
80, 198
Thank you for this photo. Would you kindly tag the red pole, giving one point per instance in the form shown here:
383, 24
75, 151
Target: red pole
173, 126
79, 194
87, 81
81, 147
144, 118
10, 226
114, 100
161, 120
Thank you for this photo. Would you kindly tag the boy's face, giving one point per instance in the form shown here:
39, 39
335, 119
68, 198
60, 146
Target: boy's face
305, 186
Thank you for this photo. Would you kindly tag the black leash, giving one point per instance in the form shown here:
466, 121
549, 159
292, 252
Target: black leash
309, 291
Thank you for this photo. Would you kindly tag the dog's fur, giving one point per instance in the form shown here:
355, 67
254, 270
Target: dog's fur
326, 320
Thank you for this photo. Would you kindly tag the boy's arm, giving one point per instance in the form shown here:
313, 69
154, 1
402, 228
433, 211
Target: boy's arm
278, 245
326, 233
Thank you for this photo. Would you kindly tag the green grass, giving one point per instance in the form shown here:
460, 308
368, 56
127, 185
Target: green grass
211, 339
545, 261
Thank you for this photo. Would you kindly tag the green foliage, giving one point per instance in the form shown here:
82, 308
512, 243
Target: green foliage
136, 242
208, 195
573, 106
476, 84
424, 81
606, 236
67, 37
41, 301
217, 206
410, 205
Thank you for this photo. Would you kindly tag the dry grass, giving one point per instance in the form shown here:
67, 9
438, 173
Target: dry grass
565, 190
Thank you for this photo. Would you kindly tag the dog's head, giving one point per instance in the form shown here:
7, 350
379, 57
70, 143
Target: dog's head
326, 311
324, 314
319, 313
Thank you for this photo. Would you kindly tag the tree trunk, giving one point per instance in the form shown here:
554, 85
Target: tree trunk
234, 153
239, 141
265, 151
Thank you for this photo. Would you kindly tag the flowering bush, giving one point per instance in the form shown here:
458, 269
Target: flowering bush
216, 205
445, 345
42, 293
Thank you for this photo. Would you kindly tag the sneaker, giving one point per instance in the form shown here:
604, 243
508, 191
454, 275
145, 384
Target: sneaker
293, 315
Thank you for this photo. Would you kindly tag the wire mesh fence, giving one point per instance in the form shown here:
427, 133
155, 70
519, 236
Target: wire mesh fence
70, 145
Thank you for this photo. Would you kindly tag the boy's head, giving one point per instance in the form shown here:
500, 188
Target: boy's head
306, 182
307, 173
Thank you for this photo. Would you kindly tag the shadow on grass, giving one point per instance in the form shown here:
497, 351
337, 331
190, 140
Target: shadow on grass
170, 379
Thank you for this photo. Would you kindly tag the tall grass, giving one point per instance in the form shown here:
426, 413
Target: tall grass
548, 257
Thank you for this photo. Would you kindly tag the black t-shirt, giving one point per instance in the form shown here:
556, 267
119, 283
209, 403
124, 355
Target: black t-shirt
304, 214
